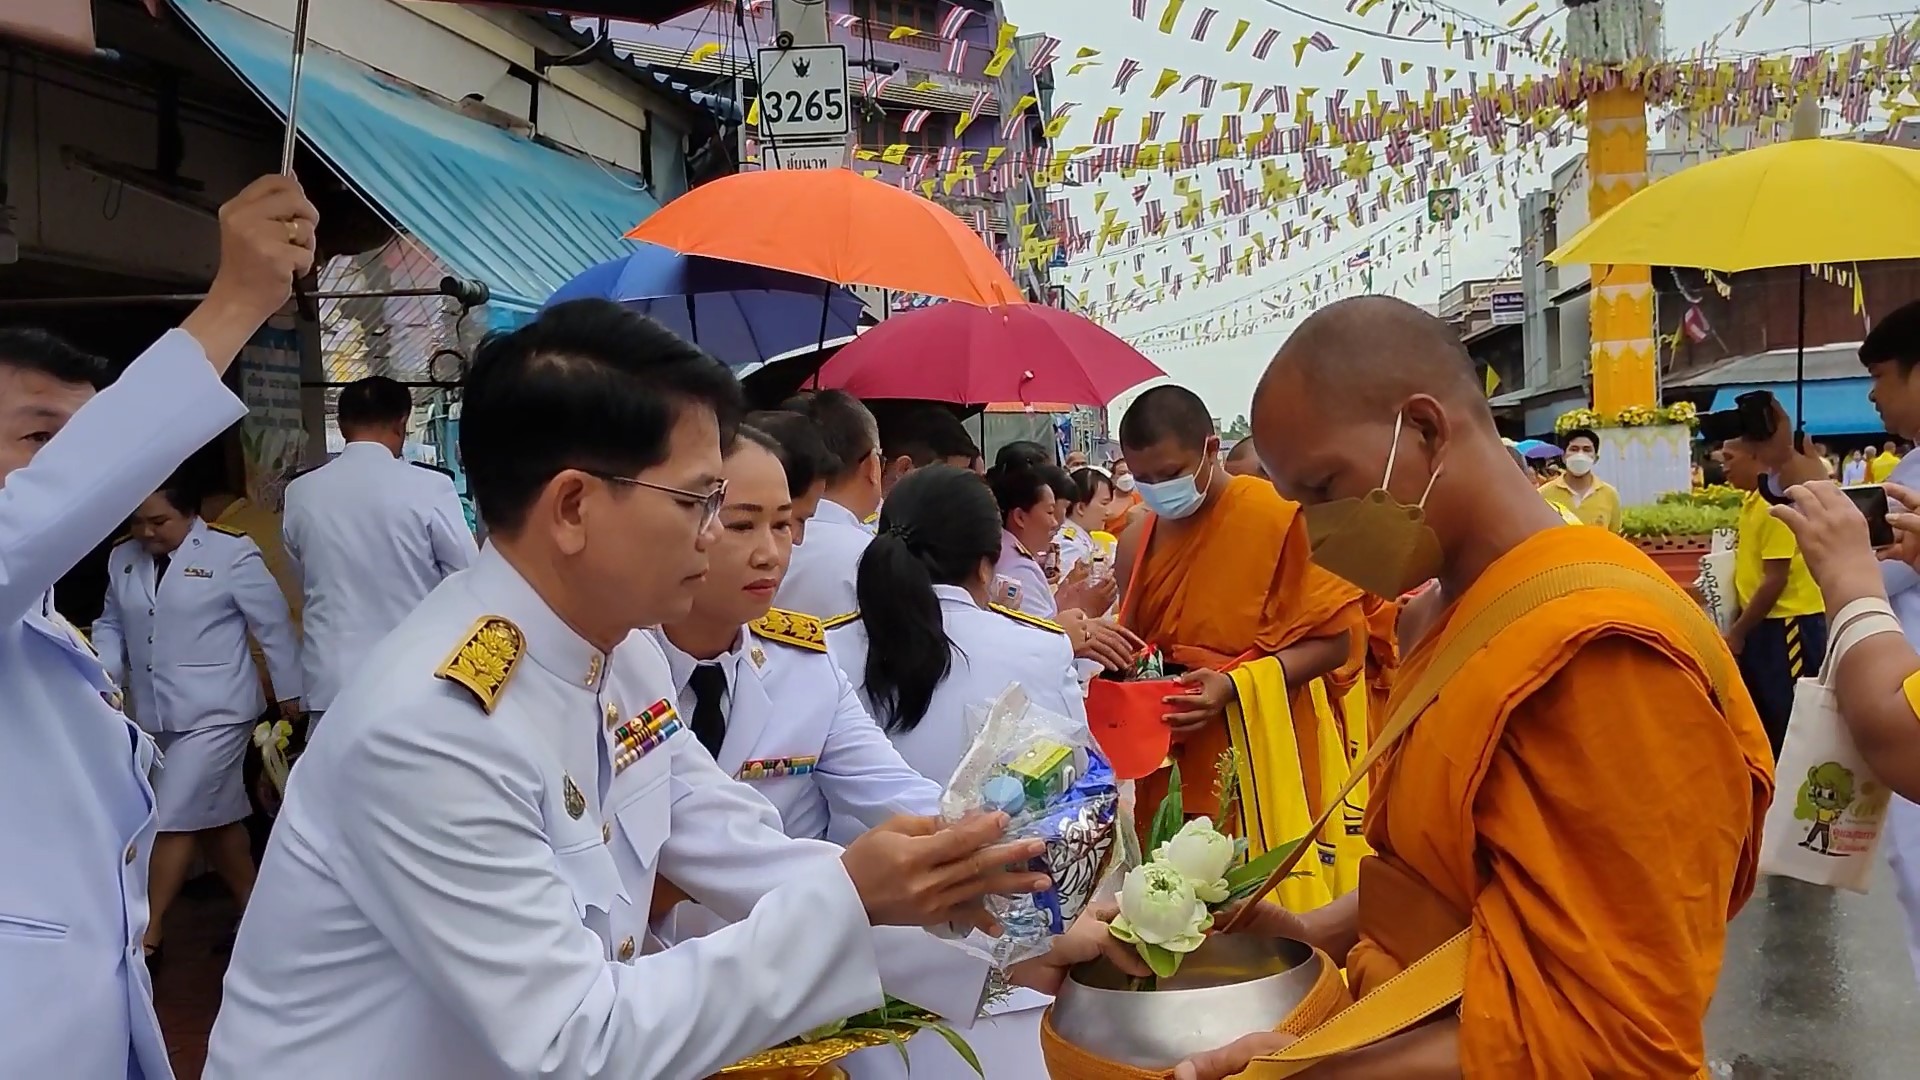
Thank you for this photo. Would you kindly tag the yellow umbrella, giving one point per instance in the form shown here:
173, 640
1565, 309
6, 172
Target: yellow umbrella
1792, 203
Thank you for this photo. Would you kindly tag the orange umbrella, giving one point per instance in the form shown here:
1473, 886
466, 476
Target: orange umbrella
835, 225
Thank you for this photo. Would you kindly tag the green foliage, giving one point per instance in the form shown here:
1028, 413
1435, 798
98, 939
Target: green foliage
1720, 496
1169, 818
1665, 520
1245, 879
1164, 962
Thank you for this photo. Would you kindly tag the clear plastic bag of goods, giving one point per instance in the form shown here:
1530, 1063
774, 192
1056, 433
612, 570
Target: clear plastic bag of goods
1041, 769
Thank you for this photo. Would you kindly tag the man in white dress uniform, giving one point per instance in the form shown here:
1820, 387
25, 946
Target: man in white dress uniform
75, 1000
459, 882
820, 582
370, 535
182, 598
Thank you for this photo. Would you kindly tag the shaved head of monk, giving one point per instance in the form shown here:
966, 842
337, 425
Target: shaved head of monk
1168, 437
1242, 461
1372, 380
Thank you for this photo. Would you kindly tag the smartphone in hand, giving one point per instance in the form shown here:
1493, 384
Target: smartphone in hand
1871, 501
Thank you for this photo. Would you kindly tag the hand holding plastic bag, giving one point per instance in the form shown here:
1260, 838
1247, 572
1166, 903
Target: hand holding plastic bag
1040, 769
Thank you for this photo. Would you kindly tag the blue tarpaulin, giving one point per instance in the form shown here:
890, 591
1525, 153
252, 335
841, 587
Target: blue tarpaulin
491, 205
1834, 406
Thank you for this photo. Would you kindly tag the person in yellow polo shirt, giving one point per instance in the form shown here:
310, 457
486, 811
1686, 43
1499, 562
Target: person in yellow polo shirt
1520, 461
1592, 500
1780, 633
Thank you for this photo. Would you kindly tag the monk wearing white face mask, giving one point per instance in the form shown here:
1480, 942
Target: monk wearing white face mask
1218, 578
1578, 490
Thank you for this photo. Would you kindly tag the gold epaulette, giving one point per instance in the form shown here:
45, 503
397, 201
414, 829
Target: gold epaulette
870, 518
228, 529
485, 660
840, 620
1031, 620
121, 539
792, 628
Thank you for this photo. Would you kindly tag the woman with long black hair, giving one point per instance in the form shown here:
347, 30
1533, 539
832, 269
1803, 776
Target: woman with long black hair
924, 648
927, 641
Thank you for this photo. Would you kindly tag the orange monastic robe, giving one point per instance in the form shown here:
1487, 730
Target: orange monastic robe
1580, 798
1234, 584
1383, 655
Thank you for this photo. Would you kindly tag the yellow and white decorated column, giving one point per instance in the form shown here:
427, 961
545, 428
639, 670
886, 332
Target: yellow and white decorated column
1625, 359
1612, 43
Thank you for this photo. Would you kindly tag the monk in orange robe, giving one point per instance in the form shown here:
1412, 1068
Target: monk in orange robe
1216, 576
1585, 794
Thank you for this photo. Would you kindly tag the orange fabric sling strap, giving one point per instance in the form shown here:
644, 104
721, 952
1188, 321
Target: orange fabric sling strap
1436, 980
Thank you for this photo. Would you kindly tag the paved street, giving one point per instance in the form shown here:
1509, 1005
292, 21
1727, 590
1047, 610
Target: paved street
1817, 986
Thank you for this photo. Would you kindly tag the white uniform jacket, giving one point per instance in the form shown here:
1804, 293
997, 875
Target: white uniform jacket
991, 648
945, 977
181, 649
445, 897
820, 582
1032, 593
371, 535
798, 734
75, 1001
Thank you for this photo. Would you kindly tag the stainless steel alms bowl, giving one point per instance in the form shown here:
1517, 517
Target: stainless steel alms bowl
1233, 985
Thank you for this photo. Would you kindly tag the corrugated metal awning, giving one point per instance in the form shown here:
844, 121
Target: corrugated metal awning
492, 205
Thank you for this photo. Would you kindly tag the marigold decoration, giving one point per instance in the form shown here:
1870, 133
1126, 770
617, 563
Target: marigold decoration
1578, 418
1631, 416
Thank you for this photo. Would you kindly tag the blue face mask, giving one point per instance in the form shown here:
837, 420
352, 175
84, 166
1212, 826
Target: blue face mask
1177, 498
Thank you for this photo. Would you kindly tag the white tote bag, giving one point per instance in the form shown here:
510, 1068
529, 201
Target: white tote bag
1715, 586
1828, 808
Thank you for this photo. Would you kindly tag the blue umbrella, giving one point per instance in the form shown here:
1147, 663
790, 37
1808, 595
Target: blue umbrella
1536, 450
743, 315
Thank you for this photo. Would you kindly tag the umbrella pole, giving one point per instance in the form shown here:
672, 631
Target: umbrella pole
1800, 372
300, 12
826, 308
693, 322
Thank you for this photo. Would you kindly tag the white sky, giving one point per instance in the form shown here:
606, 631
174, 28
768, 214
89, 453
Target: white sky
1224, 373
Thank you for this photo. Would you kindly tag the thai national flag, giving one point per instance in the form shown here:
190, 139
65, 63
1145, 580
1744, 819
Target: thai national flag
956, 18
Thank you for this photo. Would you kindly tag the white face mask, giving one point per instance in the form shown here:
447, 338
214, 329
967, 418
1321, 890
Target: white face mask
1124, 482
1580, 464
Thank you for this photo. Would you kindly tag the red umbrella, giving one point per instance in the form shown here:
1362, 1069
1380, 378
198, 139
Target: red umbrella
966, 354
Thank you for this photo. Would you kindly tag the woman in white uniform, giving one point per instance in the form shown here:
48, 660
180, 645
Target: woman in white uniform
182, 596
756, 684
1028, 519
1087, 514
925, 647
760, 692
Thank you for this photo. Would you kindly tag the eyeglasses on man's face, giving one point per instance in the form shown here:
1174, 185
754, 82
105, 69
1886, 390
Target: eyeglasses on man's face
708, 503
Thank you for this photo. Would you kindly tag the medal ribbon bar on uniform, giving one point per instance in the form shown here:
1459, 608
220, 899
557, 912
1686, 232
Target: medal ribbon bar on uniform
636, 738
768, 768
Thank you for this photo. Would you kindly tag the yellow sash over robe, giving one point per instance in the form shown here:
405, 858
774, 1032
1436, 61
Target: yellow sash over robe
1584, 798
